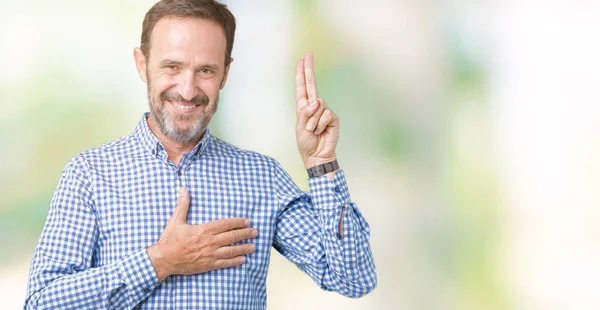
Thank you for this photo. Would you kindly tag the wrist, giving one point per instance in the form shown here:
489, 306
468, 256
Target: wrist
161, 267
310, 162
328, 169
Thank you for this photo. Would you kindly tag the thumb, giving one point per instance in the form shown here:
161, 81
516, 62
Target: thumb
183, 204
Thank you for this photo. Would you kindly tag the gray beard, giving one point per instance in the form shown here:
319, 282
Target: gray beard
168, 127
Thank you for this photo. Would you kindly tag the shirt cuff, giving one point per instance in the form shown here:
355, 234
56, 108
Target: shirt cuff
329, 194
139, 276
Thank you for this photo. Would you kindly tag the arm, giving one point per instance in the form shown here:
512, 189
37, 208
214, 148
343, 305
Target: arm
324, 234
62, 274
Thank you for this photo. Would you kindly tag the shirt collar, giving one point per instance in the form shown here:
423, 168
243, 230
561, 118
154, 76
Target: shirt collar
149, 141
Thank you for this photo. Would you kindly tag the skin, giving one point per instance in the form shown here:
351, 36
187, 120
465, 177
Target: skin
181, 64
317, 127
184, 72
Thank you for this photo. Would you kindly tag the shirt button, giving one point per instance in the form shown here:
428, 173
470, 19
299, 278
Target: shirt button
179, 172
153, 152
338, 236
146, 290
336, 189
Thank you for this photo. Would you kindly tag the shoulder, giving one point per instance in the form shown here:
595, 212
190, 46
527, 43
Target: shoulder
229, 151
109, 153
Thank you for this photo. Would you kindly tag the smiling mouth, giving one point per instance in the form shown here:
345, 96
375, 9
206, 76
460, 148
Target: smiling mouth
183, 107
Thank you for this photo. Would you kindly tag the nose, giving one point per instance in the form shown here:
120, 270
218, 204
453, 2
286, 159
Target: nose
188, 89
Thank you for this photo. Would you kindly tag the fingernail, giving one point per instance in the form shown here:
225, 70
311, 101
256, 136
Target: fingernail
180, 190
312, 102
247, 222
254, 233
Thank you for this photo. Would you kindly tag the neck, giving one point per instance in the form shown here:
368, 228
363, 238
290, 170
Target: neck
175, 150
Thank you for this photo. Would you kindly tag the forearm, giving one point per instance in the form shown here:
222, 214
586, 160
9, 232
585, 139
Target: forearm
348, 261
341, 263
122, 284
326, 236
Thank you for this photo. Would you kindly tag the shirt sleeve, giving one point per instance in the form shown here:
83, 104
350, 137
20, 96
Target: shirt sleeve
307, 234
63, 275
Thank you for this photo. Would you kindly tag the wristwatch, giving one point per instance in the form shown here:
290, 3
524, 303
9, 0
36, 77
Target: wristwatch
323, 169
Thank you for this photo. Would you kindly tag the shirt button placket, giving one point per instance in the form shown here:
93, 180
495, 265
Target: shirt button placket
179, 176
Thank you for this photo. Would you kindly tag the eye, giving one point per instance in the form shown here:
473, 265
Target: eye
170, 68
206, 71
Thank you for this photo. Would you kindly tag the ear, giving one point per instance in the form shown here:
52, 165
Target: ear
225, 75
140, 63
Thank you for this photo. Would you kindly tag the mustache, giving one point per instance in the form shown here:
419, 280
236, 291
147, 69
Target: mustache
175, 97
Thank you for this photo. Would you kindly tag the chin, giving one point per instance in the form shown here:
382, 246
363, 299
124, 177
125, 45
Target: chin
187, 132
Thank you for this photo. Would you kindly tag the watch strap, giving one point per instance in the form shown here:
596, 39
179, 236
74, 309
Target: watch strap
323, 169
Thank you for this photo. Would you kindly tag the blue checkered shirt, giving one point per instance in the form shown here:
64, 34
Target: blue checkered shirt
113, 201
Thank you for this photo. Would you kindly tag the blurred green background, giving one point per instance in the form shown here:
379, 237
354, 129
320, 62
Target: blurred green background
469, 134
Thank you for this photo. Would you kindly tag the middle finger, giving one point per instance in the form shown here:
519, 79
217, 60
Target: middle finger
234, 236
309, 75
235, 250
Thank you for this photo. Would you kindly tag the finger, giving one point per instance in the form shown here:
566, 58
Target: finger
228, 262
222, 225
236, 235
306, 112
237, 250
313, 121
300, 83
183, 204
309, 76
328, 118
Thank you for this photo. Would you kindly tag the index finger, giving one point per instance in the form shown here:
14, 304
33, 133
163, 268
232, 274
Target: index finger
309, 76
300, 82
223, 225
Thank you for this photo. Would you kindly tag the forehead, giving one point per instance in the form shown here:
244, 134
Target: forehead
188, 39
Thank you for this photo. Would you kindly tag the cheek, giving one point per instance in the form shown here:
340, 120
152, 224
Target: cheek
211, 87
159, 85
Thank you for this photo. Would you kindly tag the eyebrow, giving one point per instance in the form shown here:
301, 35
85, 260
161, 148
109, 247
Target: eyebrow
171, 62
167, 62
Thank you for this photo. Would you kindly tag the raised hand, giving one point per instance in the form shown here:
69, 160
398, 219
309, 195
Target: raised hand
317, 127
189, 249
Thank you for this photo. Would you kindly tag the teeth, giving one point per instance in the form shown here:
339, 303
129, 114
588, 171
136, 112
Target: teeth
184, 107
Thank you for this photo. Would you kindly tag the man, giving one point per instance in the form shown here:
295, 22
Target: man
112, 238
